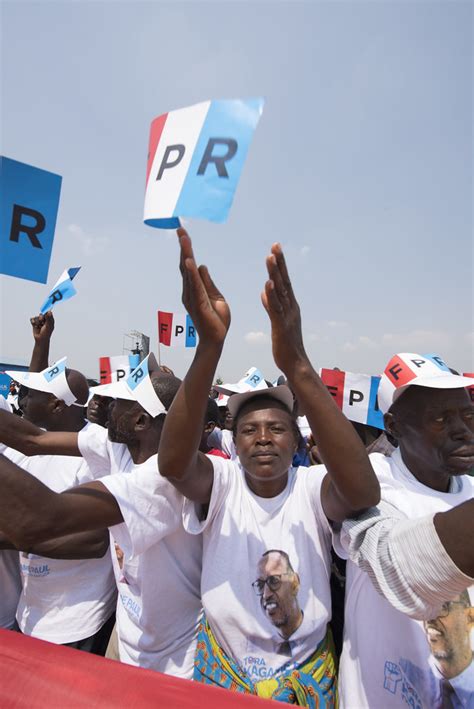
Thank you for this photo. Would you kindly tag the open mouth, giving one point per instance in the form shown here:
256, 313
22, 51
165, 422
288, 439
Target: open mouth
433, 633
270, 607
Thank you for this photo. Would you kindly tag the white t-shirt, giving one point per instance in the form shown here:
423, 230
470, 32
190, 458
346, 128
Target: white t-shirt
223, 439
240, 527
10, 585
387, 661
62, 601
158, 580
10, 578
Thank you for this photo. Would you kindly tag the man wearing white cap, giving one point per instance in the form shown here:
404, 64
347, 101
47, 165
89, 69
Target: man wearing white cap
69, 599
254, 639
411, 557
158, 565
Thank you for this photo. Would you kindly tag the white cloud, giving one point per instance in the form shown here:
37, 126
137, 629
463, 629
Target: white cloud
304, 251
257, 338
362, 342
336, 323
90, 244
421, 341
349, 347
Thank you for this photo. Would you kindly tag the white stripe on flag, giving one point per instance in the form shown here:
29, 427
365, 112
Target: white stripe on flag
181, 127
356, 397
178, 332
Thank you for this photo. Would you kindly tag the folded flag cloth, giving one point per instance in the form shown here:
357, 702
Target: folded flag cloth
312, 684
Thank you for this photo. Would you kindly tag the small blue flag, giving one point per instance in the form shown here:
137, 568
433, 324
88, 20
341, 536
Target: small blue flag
62, 290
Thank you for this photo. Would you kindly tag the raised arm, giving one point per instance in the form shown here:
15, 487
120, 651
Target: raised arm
351, 485
43, 326
31, 513
29, 439
179, 458
415, 564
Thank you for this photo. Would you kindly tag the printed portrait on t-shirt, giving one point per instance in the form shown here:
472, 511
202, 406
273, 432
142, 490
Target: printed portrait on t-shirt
277, 585
447, 681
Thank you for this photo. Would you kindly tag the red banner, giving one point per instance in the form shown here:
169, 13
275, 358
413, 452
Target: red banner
36, 674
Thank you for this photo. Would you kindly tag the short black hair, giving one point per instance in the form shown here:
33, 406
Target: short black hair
283, 554
166, 387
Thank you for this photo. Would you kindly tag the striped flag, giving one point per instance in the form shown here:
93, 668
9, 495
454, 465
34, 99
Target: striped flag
176, 330
113, 369
63, 289
355, 395
195, 157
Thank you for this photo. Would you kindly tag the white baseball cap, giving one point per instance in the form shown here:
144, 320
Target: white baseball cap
137, 387
281, 393
410, 369
252, 380
51, 380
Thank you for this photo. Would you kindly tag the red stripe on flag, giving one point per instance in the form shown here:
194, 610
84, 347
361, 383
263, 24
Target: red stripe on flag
334, 380
165, 321
398, 372
105, 371
156, 129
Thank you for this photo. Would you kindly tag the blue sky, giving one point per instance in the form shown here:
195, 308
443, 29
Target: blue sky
361, 166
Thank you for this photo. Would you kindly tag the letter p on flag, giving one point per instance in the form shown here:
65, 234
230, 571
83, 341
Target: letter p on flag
195, 158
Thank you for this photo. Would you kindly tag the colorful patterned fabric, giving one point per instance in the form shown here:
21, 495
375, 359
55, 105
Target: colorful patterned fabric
312, 684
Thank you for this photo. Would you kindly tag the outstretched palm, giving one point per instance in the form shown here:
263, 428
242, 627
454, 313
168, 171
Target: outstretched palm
202, 299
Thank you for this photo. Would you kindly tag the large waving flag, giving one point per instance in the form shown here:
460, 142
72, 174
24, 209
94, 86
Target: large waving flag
176, 330
355, 395
113, 369
195, 157
63, 289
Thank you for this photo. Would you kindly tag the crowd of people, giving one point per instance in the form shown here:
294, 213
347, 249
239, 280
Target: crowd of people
140, 520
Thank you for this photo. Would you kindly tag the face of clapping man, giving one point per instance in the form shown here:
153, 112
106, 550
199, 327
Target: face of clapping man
98, 410
435, 431
37, 407
122, 420
265, 440
277, 585
449, 636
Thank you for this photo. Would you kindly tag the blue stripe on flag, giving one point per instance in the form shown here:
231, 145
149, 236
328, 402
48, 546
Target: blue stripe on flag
55, 371
63, 291
374, 415
438, 361
133, 361
254, 379
208, 195
190, 332
138, 375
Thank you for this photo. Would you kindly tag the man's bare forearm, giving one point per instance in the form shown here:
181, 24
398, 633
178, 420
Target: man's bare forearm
31, 513
455, 529
83, 545
341, 449
187, 414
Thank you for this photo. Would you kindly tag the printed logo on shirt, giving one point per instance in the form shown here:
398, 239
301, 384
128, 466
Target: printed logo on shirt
36, 571
277, 585
131, 606
256, 668
447, 680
